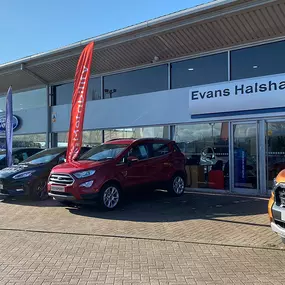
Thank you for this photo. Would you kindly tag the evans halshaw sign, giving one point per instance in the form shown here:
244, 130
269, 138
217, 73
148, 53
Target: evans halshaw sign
261, 93
3, 123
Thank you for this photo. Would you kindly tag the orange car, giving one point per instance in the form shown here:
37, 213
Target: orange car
276, 206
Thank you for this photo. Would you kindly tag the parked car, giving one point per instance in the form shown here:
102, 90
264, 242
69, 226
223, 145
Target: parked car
276, 206
18, 155
29, 178
106, 171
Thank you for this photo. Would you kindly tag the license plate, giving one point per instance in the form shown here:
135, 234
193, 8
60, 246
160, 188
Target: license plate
57, 188
1, 186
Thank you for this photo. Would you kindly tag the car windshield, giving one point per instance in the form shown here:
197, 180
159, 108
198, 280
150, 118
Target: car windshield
104, 152
44, 156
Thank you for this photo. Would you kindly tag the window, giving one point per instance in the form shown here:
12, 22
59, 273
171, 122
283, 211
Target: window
275, 150
139, 151
258, 61
160, 149
64, 92
136, 82
19, 157
90, 138
199, 71
206, 147
144, 132
31, 140
26, 100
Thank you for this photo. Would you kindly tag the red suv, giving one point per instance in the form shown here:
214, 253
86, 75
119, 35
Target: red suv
104, 172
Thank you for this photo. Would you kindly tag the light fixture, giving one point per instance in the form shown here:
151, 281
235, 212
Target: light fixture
255, 66
155, 59
191, 69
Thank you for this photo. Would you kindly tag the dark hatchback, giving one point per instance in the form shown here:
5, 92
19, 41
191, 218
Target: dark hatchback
18, 155
29, 178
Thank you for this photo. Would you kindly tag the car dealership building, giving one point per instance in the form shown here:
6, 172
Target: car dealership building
211, 77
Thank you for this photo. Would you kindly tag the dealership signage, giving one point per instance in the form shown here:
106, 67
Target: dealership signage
228, 98
3, 123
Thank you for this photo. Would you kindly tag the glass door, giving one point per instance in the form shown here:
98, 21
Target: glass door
275, 150
245, 174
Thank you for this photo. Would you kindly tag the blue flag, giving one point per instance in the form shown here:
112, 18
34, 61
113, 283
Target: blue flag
9, 127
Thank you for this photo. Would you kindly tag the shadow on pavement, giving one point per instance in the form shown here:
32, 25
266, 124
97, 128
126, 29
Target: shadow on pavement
25, 201
159, 207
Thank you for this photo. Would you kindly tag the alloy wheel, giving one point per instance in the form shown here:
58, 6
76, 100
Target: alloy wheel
178, 185
111, 197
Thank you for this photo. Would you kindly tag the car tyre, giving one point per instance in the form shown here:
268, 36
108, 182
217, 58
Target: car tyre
110, 196
176, 186
39, 190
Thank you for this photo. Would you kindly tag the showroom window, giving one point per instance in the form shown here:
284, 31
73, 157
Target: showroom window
275, 150
199, 71
147, 132
64, 92
206, 147
26, 100
90, 138
31, 140
136, 82
258, 61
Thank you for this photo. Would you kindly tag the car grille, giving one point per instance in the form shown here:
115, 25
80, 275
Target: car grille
280, 197
61, 179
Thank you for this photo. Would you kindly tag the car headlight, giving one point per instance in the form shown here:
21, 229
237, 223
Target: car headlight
23, 174
84, 174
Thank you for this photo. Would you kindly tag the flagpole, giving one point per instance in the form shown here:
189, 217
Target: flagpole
9, 127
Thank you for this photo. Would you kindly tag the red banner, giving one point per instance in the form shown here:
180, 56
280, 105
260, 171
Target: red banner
79, 98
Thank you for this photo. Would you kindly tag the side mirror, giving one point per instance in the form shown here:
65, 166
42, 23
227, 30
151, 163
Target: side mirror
132, 159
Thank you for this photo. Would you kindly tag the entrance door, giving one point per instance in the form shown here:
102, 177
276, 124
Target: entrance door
245, 174
275, 150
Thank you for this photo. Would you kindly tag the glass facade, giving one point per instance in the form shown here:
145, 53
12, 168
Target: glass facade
136, 82
199, 71
206, 147
159, 132
63, 93
29, 140
245, 155
26, 100
275, 150
90, 138
258, 61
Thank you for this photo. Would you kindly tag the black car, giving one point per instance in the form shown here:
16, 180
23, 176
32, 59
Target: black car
18, 155
29, 178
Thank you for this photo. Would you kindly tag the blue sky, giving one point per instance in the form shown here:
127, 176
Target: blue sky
33, 26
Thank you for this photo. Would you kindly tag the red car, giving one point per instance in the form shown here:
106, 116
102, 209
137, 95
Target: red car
106, 171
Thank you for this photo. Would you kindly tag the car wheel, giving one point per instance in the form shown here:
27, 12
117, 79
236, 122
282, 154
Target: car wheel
110, 196
176, 185
39, 190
